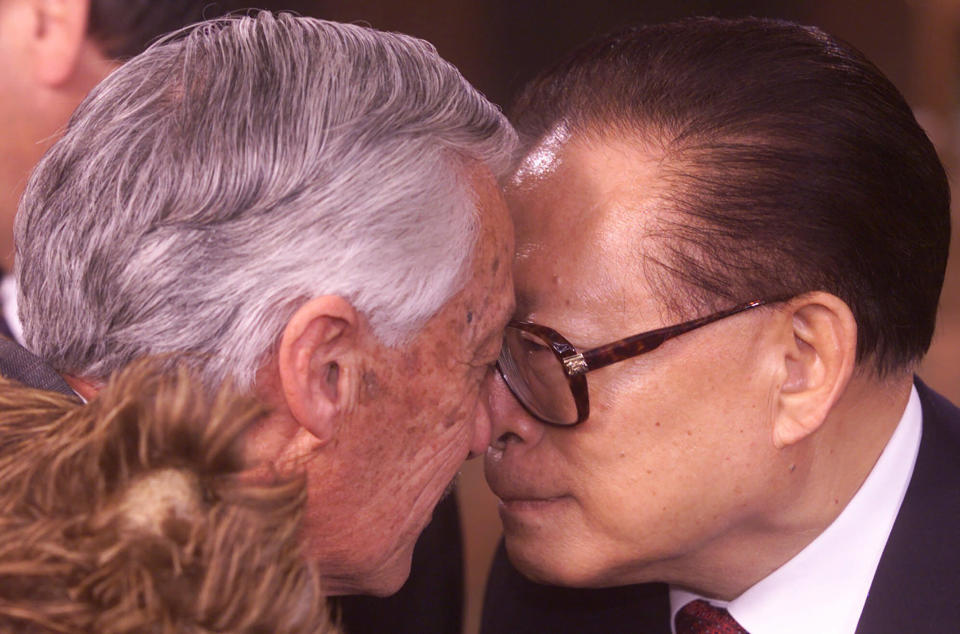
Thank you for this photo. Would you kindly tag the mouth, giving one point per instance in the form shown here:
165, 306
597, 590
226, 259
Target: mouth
517, 493
529, 504
516, 506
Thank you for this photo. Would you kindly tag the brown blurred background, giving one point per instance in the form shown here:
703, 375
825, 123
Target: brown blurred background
499, 44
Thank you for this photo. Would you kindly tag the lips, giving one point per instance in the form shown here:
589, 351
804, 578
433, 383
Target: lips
522, 514
521, 505
523, 498
519, 484
518, 490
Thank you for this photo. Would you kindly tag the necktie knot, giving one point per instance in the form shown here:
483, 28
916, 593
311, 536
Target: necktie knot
699, 617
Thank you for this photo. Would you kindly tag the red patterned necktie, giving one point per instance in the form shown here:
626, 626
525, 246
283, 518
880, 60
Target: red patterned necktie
699, 617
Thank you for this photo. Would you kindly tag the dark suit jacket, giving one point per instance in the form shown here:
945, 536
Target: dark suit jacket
19, 364
916, 587
431, 602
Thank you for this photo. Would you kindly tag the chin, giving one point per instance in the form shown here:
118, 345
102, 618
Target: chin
380, 578
379, 583
387, 585
390, 576
556, 566
582, 563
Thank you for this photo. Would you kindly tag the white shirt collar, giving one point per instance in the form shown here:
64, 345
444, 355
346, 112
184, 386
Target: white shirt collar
8, 295
824, 587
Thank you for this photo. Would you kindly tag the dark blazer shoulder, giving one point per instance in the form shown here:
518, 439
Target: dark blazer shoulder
19, 364
915, 588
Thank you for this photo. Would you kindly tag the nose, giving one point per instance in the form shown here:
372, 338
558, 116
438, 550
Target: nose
481, 420
509, 421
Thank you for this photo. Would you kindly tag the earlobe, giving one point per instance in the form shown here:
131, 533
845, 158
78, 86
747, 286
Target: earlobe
59, 34
314, 358
819, 359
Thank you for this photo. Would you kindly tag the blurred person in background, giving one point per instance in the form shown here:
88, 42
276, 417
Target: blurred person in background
731, 243
52, 52
312, 209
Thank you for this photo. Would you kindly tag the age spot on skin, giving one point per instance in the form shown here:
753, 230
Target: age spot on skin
371, 384
469, 316
451, 420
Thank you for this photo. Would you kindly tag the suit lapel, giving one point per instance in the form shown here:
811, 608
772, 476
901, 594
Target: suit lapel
19, 364
914, 589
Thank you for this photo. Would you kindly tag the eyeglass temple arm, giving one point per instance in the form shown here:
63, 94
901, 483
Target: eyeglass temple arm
611, 353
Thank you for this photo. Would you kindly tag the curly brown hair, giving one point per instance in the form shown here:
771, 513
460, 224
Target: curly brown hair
129, 514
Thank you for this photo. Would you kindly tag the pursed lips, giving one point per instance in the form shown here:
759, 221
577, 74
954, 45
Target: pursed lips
518, 485
511, 493
518, 509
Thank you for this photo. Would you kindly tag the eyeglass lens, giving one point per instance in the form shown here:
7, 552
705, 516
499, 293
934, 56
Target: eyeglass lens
536, 377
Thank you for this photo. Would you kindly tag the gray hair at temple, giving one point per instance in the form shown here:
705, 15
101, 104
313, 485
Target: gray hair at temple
239, 167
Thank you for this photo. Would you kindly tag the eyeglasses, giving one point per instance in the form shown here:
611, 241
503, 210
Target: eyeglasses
547, 373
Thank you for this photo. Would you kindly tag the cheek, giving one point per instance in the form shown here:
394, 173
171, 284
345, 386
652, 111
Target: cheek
433, 422
454, 394
644, 463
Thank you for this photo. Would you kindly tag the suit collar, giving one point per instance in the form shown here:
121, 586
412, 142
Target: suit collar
21, 365
914, 589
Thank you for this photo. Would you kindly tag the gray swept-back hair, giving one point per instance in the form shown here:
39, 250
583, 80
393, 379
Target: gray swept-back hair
232, 171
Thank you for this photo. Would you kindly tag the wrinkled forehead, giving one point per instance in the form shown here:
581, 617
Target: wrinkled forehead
487, 294
588, 215
495, 243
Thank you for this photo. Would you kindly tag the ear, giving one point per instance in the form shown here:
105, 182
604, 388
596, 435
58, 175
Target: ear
59, 32
315, 363
820, 355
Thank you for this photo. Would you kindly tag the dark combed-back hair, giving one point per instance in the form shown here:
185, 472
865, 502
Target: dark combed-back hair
791, 164
124, 28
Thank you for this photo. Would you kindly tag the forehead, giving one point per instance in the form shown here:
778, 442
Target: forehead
587, 214
496, 238
486, 300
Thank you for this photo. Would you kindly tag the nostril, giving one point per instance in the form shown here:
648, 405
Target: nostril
506, 438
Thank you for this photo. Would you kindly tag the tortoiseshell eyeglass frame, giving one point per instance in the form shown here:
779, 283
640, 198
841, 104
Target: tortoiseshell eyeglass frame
577, 363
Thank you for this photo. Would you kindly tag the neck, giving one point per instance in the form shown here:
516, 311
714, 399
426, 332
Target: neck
86, 387
818, 478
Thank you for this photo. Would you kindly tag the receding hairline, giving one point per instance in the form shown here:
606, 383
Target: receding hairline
627, 235
659, 158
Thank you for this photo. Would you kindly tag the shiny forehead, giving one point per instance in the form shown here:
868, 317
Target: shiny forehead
588, 214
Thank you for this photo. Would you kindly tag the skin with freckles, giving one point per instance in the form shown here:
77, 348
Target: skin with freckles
721, 440
405, 419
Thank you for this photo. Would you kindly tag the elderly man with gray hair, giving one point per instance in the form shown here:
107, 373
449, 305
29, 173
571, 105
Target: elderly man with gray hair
308, 210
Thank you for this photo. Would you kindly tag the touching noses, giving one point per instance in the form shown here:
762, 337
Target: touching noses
509, 421
482, 419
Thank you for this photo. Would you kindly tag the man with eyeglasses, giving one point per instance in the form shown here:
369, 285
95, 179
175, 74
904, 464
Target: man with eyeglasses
756, 201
